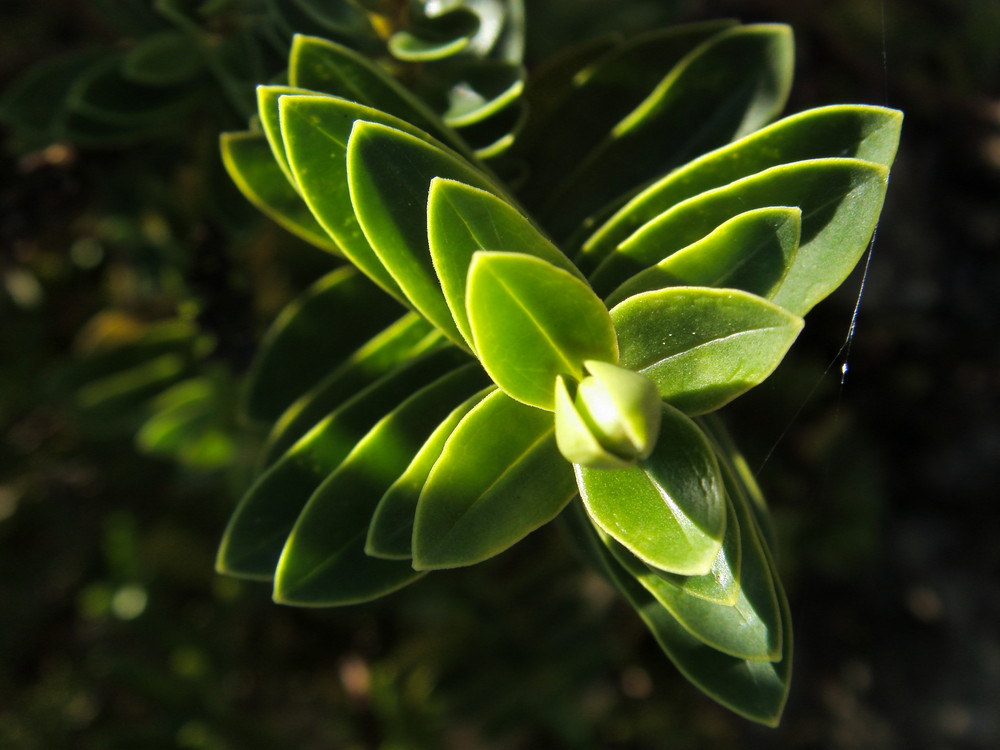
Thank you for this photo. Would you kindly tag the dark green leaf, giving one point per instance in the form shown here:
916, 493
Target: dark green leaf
312, 337
164, 59
499, 477
391, 532
324, 561
258, 528
251, 165
703, 347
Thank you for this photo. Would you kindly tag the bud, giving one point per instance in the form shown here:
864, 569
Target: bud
613, 419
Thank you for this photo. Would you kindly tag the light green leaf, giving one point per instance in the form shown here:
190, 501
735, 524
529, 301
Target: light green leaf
575, 437
315, 131
532, 322
409, 337
753, 689
703, 347
846, 131
462, 220
499, 478
840, 201
323, 562
669, 510
269, 112
258, 528
479, 90
750, 628
251, 165
311, 337
435, 38
752, 251
321, 65
390, 534
728, 86
389, 173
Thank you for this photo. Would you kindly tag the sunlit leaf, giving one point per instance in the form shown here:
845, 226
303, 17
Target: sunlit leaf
703, 347
669, 510
532, 322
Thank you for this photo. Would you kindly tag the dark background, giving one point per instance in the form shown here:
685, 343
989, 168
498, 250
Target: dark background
116, 633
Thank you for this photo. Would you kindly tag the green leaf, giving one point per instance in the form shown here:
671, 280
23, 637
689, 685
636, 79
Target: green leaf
703, 347
847, 131
389, 173
532, 322
752, 251
23, 107
315, 131
730, 85
409, 337
268, 109
721, 585
840, 201
391, 532
480, 90
753, 689
321, 65
435, 38
593, 99
251, 165
499, 477
324, 562
312, 337
670, 509
265, 516
463, 220
104, 94
575, 436
164, 59
750, 628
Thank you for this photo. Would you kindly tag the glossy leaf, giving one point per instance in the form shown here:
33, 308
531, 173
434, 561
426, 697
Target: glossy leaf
750, 628
720, 585
390, 534
435, 38
532, 322
268, 109
409, 337
323, 562
703, 347
669, 510
752, 251
315, 131
389, 173
499, 477
463, 220
753, 689
840, 201
849, 131
266, 514
312, 337
480, 90
576, 439
730, 85
250, 163
321, 65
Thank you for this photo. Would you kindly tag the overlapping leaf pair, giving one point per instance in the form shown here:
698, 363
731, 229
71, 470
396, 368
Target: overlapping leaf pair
410, 441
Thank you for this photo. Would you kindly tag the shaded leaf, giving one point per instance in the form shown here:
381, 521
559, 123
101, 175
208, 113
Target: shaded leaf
499, 477
324, 561
164, 59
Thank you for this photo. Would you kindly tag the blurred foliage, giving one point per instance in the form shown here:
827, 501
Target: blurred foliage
117, 633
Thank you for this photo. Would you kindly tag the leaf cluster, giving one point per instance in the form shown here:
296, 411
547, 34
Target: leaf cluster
502, 352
